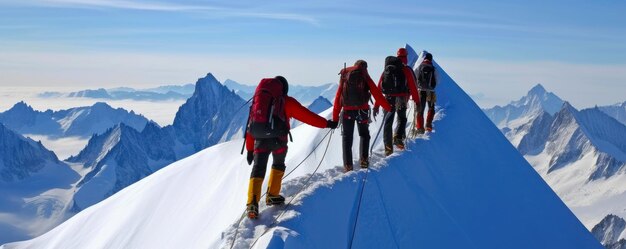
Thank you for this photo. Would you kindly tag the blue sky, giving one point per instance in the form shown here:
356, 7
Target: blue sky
497, 49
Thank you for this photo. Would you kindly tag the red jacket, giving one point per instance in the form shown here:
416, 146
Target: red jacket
376, 93
410, 80
293, 109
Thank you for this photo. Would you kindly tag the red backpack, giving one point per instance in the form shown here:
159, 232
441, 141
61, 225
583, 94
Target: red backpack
267, 113
355, 90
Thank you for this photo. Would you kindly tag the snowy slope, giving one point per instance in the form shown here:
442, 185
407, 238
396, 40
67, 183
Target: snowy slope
34, 187
451, 189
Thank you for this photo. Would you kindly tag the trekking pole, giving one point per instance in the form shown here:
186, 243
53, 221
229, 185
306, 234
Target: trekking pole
244, 104
244, 134
245, 130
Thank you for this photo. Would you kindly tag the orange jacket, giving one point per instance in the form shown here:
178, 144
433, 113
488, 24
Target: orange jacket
376, 93
410, 80
293, 109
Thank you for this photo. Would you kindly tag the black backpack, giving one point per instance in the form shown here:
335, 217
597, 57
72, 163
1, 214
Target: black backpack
355, 90
426, 78
393, 77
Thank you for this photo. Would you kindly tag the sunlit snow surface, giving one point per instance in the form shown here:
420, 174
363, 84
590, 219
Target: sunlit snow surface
463, 186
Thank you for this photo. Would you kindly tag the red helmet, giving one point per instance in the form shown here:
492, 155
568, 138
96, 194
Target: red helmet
402, 52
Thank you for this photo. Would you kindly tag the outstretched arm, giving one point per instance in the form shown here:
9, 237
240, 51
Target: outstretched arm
294, 109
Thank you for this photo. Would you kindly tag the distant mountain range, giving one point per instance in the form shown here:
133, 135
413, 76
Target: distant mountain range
581, 154
79, 121
123, 148
304, 94
170, 92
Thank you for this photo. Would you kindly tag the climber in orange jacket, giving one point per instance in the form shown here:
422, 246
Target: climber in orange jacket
268, 126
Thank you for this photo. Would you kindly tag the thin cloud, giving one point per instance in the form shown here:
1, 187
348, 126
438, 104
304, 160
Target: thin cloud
155, 6
169, 7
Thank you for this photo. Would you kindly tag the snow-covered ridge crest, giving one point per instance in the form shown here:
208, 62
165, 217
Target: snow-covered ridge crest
465, 182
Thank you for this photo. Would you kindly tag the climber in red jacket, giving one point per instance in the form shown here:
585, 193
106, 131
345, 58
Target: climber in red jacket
398, 84
354, 91
267, 131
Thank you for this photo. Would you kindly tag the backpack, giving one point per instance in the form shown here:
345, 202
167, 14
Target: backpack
426, 78
355, 90
393, 77
267, 113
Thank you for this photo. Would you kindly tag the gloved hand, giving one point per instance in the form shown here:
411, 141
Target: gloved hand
331, 124
376, 110
250, 157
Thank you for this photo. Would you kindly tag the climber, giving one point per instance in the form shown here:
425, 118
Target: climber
267, 132
398, 84
354, 91
426, 83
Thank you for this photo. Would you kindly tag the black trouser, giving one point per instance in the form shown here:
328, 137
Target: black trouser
361, 118
423, 100
262, 150
398, 105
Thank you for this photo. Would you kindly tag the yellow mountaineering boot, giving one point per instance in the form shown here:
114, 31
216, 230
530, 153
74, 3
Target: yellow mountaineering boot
273, 196
254, 192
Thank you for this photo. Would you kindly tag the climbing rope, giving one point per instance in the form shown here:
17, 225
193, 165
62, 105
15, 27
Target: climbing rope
285, 176
358, 209
305, 185
378, 132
